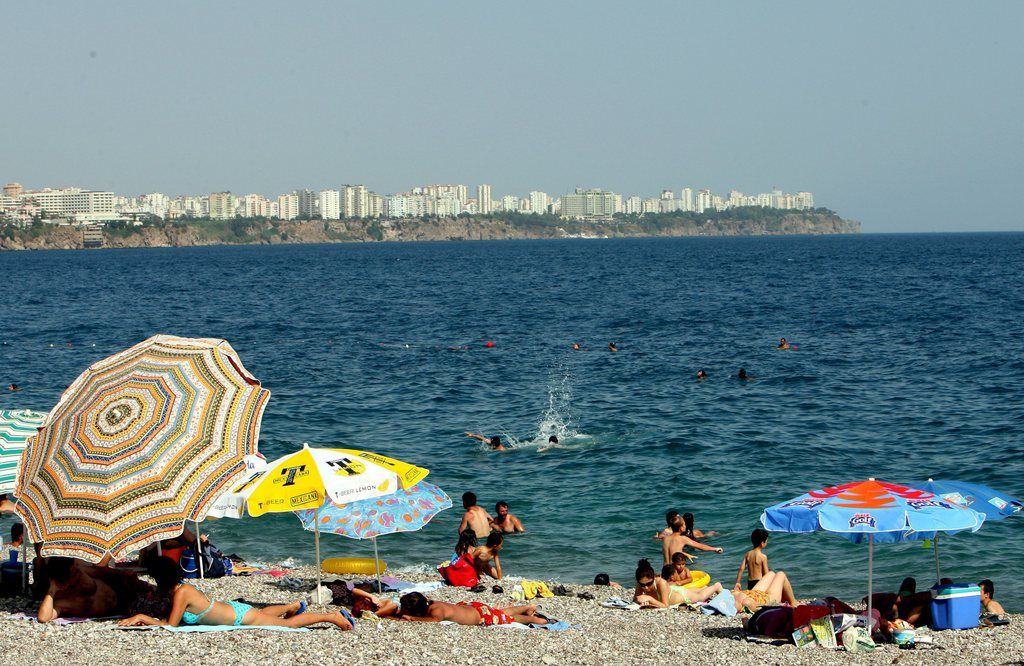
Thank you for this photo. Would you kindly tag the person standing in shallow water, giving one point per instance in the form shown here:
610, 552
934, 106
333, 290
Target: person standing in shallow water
475, 518
505, 521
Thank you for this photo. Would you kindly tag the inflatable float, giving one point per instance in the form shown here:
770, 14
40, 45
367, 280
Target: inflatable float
355, 565
700, 579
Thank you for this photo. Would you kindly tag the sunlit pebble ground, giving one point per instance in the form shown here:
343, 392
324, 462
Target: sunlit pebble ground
602, 636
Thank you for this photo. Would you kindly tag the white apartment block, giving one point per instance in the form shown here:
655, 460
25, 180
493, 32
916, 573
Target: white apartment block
539, 202
72, 201
483, 199
330, 204
355, 201
510, 202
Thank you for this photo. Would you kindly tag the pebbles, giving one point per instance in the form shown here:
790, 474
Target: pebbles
604, 636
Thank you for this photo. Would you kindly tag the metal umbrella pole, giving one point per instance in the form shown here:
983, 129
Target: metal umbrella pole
935, 543
199, 550
316, 539
871, 556
376, 565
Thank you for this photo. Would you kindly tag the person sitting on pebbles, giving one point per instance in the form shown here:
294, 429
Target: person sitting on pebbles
653, 591
190, 606
417, 608
485, 557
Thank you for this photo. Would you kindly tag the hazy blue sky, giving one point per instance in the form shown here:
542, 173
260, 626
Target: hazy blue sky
908, 116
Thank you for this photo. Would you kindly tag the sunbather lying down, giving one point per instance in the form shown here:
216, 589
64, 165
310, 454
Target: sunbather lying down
417, 608
773, 588
190, 606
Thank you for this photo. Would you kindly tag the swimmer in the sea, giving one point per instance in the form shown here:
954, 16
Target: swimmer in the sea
13, 387
783, 344
552, 443
493, 442
576, 347
701, 374
742, 374
613, 347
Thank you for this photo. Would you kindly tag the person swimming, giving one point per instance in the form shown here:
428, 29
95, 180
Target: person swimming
613, 347
742, 374
782, 344
576, 347
552, 443
494, 442
702, 374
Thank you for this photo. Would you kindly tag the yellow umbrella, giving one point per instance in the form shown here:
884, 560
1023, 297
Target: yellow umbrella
309, 478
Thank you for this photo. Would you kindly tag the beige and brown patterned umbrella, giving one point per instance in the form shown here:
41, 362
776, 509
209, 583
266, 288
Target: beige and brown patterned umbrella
139, 443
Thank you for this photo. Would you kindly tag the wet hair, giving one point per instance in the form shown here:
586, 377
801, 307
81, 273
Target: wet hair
987, 587
501, 504
688, 521
907, 587
17, 531
341, 595
677, 523
667, 571
742, 374
414, 604
552, 440
946, 581
494, 539
165, 572
468, 499
644, 569
678, 557
60, 568
602, 579
495, 442
467, 540
758, 536
670, 517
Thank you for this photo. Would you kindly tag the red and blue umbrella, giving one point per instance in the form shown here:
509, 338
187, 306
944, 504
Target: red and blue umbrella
874, 511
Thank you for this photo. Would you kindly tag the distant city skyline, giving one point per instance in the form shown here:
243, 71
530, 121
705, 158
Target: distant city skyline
905, 116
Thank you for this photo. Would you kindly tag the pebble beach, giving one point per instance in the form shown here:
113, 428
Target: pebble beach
599, 636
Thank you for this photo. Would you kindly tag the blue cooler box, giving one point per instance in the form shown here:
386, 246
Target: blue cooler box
956, 606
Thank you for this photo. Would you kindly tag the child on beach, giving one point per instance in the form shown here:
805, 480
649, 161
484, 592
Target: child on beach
190, 606
755, 562
670, 518
417, 608
679, 574
989, 606
485, 557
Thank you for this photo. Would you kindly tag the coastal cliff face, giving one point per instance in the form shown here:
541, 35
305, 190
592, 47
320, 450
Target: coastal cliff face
267, 232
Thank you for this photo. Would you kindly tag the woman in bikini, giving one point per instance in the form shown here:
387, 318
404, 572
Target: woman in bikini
417, 608
773, 588
190, 606
653, 591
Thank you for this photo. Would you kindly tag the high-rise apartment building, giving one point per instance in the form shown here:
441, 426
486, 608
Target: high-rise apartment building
222, 206
703, 201
355, 201
686, 200
330, 204
510, 203
309, 204
255, 205
483, 199
539, 202
13, 190
588, 204
288, 206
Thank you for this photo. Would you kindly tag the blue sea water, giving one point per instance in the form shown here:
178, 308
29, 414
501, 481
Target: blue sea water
910, 364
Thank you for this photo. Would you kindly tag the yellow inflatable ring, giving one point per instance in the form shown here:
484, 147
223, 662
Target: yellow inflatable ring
354, 565
700, 579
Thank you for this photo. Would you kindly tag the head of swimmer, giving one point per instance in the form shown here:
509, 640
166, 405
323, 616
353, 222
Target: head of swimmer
468, 500
501, 508
702, 374
552, 440
495, 442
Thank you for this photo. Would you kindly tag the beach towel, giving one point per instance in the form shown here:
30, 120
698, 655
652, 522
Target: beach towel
723, 603
561, 625
62, 621
211, 628
534, 588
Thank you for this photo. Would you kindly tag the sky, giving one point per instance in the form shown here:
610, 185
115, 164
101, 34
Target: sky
907, 116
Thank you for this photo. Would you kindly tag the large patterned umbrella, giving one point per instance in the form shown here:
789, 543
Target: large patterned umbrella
16, 426
139, 443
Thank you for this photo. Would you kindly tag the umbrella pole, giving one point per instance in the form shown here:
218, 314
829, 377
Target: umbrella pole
316, 541
376, 565
871, 562
24, 565
935, 542
199, 550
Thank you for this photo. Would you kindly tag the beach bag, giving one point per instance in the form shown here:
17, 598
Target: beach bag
856, 639
213, 562
771, 621
804, 613
460, 573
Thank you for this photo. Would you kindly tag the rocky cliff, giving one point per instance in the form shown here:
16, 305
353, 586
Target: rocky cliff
44, 236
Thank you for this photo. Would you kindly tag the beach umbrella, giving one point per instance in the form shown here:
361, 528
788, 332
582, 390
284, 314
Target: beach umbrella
311, 477
873, 511
16, 426
406, 510
994, 504
139, 443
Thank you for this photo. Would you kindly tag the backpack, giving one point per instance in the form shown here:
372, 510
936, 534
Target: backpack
213, 562
771, 621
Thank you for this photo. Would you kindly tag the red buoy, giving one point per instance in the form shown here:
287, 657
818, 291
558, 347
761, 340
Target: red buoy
489, 344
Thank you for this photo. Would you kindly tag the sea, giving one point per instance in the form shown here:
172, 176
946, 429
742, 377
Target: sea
908, 364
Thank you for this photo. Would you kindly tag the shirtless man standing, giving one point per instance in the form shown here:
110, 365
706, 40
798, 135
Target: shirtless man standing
475, 518
677, 541
505, 521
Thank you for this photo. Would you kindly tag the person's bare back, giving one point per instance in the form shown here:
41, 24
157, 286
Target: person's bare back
757, 564
477, 520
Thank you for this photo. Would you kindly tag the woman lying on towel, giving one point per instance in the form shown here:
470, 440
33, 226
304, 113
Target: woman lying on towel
772, 589
655, 592
417, 608
190, 606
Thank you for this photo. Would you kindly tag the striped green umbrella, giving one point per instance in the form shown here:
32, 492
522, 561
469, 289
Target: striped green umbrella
16, 426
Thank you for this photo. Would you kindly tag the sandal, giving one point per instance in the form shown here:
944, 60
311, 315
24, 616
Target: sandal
479, 588
497, 589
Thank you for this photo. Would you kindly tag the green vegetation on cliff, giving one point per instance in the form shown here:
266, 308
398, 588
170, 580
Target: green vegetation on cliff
497, 226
